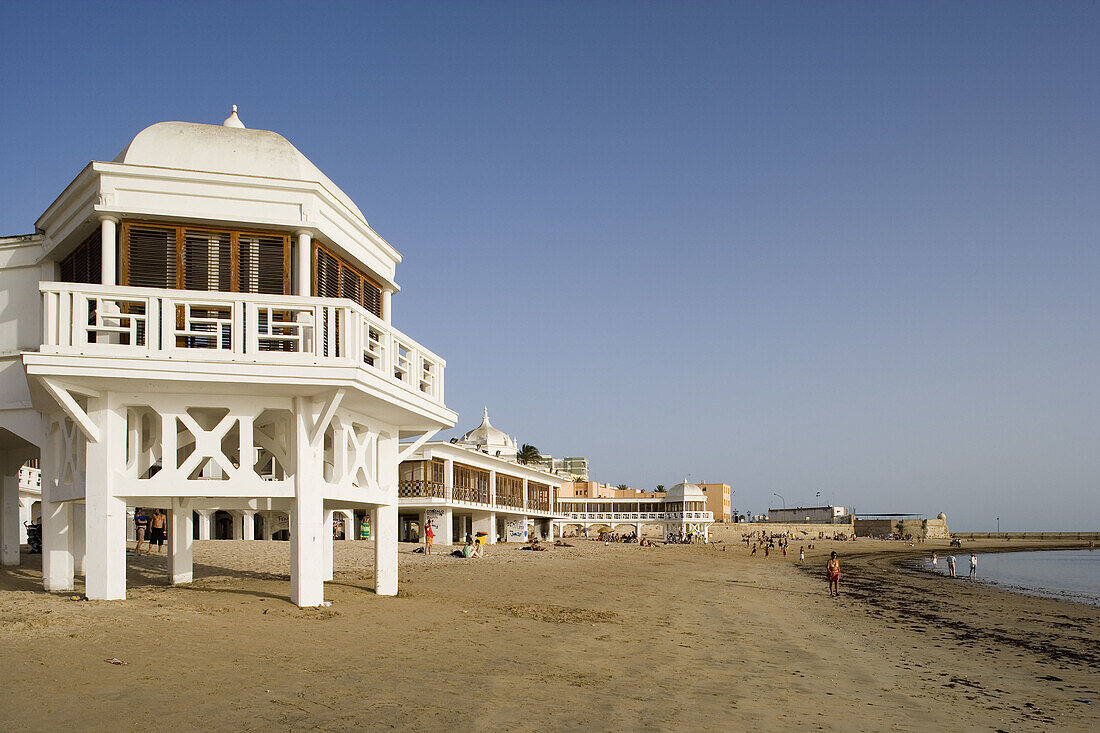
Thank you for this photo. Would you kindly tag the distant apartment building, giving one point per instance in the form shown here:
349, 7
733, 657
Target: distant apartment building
719, 502
576, 466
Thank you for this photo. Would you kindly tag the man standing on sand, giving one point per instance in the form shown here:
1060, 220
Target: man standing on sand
429, 535
951, 565
973, 566
158, 532
801, 554
833, 569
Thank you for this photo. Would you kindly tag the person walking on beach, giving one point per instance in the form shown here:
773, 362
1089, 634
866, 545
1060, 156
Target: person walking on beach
951, 565
973, 566
935, 559
429, 536
801, 554
141, 523
159, 531
833, 569
753, 549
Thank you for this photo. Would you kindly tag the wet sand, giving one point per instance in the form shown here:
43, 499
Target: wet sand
588, 637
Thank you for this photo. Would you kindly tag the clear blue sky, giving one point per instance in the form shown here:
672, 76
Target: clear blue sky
794, 247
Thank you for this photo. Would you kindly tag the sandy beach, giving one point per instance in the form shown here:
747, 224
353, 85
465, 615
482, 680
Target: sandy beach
588, 637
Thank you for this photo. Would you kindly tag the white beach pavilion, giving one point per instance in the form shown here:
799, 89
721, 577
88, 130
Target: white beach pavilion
204, 324
474, 484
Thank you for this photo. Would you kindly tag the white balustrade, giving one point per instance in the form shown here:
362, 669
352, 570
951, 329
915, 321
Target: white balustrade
237, 327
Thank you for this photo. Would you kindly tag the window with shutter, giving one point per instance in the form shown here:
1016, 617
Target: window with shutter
337, 278
196, 258
83, 265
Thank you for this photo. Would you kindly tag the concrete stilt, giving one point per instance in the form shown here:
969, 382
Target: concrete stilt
180, 544
327, 541
105, 514
205, 519
248, 522
9, 513
57, 546
385, 550
308, 533
80, 550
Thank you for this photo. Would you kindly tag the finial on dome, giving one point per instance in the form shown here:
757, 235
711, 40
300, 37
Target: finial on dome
233, 121
485, 414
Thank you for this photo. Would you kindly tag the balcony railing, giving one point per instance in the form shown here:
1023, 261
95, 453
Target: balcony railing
233, 327
640, 516
432, 489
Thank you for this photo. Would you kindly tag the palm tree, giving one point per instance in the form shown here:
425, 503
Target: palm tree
622, 487
528, 454
660, 487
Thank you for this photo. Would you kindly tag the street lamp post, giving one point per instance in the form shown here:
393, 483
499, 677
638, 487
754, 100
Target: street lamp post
998, 525
781, 499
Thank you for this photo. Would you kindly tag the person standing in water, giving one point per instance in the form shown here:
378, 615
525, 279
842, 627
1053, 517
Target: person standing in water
973, 566
834, 574
935, 559
951, 565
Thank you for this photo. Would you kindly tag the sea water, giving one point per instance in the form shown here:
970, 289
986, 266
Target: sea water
1069, 574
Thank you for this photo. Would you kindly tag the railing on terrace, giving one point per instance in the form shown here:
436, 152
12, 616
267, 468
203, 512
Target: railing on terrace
420, 488
233, 327
463, 493
634, 516
538, 506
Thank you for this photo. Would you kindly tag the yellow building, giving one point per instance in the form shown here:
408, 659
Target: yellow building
718, 501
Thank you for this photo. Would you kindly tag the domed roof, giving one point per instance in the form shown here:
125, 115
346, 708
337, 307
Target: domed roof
685, 492
489, 438
226, 148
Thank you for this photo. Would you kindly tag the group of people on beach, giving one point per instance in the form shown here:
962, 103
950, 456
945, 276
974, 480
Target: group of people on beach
951, 565
155, 527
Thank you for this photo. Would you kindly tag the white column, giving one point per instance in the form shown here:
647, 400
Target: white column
351, 532
444, 532
384, 530
486, 522
549, 530
80, 551
105, 514
303, 263
180, 543
524, 498
493, 494
108, 249
206, 517
57, 546
387, 294
448, 480
248, 525
327, 542
308, 533
9, 512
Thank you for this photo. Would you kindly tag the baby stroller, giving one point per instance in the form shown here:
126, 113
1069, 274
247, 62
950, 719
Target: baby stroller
34, 537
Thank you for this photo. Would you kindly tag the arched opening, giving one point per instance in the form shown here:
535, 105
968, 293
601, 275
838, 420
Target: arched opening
223, 525
258, 526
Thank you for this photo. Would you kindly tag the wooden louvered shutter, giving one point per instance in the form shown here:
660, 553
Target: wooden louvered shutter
148, 256
327, 282
335, 278
207, 260
84, 264
263, 264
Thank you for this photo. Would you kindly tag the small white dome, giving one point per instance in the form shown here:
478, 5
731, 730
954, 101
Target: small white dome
686, 492
227, 148
233, 120
942, 517
488, 438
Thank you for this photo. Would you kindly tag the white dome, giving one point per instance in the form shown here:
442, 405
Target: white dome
225, 148
488, 438
686, 492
